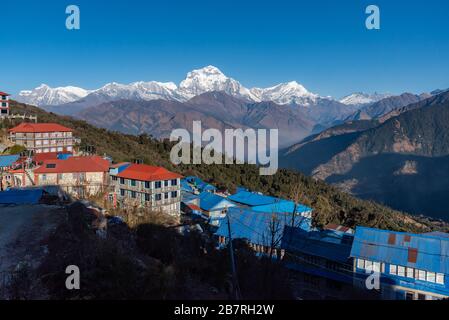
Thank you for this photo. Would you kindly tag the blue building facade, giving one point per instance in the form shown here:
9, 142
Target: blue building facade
410, 266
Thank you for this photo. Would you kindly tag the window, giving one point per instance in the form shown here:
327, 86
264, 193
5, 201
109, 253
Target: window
158, 184
409, 296
376, 266
44, 177
133, 194
410, 273
431, 277
122, 180
147, 197
421, 275
158, 197
440, 278
393, 269
147, 184
368, 265
166, 183
174, 182
421, 296
401, 271
133, 183
60, 176
122, 192
51, 165
166, 195
360, 263
174, 194
114, 178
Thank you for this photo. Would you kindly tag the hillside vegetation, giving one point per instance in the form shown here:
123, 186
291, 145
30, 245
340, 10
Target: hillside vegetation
329, 204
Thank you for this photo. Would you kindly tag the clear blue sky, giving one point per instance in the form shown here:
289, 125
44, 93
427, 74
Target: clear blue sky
322, 44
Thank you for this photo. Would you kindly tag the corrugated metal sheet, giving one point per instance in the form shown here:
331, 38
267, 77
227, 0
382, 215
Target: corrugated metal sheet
432, 250
328, 244
263, 203
213, 202
257, 227
252, 199
282, 206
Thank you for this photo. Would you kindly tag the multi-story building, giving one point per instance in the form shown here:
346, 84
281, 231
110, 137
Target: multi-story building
139, 185
78, 176
408, 266
4, 104
43, 137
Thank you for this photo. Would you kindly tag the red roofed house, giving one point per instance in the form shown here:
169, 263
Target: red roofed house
78, 176
4, 104
43, 137
146, 186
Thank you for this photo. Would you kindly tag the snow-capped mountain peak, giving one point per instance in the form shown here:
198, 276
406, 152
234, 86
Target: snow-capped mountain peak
45, 95
210, 78
286, 93
360, 98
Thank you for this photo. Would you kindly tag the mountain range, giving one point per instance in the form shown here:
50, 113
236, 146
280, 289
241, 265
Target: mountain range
307, 112
400, 158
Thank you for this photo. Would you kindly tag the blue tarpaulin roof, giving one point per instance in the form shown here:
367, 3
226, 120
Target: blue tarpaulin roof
328, 244
256, 227
213, 202
7, 161
64, 156
21, 196
432, 250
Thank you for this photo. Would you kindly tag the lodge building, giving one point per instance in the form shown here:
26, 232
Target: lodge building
43, 137
140, 185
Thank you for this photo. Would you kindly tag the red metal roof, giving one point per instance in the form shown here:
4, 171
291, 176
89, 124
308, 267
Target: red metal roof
39, 127
145, 172
74, 164
41, 157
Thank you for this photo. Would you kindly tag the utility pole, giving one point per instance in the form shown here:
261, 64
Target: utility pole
231, 253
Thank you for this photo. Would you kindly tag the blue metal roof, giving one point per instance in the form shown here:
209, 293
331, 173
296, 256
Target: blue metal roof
282, 206
328, 244
200, 184
393, 247
185, 186
21, 196
256, 226
7, 161
212, 202
188, 197
252, 198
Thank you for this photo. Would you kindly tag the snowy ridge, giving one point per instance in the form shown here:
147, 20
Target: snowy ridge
197, 82
360, 98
